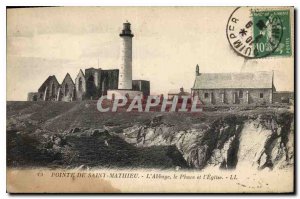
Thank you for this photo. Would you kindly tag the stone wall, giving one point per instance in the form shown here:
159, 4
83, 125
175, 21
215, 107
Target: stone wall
67, 89
283, 97
33, 96
109, 80
98, 81
49, 89
89, 86
234, 96
119, 94
80, 86
92, 79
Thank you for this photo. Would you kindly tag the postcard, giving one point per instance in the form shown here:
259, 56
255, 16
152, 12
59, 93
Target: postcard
150, 100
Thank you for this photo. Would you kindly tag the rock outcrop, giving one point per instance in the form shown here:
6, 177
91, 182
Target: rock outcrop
263, 141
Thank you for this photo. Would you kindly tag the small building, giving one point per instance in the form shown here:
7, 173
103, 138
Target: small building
32, 96
283, 97
233, 88
141, 85
179, 93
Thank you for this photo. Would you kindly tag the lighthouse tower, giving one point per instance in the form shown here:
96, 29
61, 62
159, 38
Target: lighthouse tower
125, 71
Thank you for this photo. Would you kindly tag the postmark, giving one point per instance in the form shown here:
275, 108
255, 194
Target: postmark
257, 33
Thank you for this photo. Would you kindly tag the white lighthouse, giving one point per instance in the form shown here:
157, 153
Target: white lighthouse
125, 71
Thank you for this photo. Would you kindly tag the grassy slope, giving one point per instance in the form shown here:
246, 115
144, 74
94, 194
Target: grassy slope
26, 147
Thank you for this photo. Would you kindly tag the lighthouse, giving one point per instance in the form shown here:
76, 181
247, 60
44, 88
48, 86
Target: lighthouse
125, 70
125, 83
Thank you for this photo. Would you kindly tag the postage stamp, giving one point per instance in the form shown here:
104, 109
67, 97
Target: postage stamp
258, 33
272, 28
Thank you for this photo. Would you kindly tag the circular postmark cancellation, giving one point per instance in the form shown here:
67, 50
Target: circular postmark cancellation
254, 33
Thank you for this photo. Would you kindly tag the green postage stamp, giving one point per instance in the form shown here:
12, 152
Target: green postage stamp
260, 33
271, 33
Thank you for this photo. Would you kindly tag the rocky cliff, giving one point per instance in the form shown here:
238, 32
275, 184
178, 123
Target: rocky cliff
261, 140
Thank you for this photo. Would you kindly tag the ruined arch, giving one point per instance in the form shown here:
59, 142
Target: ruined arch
80, 84
53, 90
66, 89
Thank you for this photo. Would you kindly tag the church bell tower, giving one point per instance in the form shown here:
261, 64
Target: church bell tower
197, 70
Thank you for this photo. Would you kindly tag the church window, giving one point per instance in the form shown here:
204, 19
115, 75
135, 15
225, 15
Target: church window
241, 94
53, 89
80, 84
66, 89
261, 95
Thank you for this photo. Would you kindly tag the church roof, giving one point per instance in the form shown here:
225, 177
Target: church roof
51, 77
68, 78
256, 80
80, 74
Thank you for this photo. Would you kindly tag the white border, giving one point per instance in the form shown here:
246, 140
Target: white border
149, 3
5, 3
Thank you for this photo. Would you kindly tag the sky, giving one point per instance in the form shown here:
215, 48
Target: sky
168, 44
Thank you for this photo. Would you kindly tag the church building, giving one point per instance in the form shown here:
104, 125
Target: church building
234, 88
